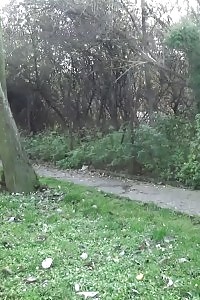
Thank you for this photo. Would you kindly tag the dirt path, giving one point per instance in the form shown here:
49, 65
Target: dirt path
178, 199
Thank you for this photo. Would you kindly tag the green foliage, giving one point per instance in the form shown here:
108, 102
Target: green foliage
151, 148
168, 150
178, 133
48, 146
190, 170
100, 153
161, 150
183, 36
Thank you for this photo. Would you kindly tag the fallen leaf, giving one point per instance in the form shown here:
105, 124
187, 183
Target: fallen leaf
168, 280
31, 279
90, 265
47, 262
140, 277
145, 245
84, 256
45, 283
87, 294
84, 168
116, 259
169, 239
182, 260
41, 238
17, 218
135, 291
122, 253
7, 271
164, 260
7, 244
45, 228
77, 287
11, 219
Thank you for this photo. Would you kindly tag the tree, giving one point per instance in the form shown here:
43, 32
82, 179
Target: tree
18, 174
185, 37
92, 64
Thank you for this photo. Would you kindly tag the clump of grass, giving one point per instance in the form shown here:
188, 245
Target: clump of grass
122, 239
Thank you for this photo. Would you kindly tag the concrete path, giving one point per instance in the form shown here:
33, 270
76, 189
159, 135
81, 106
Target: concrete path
182, 200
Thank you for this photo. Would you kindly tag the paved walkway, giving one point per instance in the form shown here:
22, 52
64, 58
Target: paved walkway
182, 200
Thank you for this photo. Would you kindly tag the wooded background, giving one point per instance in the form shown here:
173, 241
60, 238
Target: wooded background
93, 64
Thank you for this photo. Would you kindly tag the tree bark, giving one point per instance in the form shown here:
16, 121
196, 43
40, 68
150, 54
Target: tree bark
149, 91
19, 175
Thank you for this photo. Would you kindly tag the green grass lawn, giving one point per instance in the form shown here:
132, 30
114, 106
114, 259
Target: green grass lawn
134, 251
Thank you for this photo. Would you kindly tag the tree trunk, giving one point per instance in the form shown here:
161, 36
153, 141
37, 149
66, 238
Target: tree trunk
149, 91
18, 173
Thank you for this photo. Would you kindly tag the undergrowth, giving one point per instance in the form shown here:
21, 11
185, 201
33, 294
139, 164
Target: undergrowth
168, 150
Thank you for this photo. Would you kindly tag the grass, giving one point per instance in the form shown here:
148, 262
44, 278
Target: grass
122, 239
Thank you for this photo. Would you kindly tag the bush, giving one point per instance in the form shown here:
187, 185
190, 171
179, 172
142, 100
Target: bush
100, 153
190, 170
47, 146
168, 150
151, 149
178, 133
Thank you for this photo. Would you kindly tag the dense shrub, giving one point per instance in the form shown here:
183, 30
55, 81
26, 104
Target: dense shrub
47, 146
178, 133
167, 150
104, 152
190, 170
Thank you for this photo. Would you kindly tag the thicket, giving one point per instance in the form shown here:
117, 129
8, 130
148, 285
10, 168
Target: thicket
168, 150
